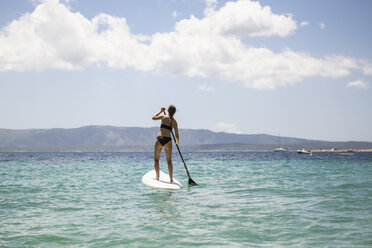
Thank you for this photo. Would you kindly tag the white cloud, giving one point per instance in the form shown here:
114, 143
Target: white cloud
304, 24
359, 84
174, 14
227, 128
244, 19
322, 25
366, 67
48, 37
205, 87
53, 36
211, 5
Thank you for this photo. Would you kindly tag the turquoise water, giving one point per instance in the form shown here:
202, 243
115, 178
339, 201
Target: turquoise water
253, 199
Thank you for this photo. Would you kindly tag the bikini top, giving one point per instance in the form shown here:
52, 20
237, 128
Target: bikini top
166, 127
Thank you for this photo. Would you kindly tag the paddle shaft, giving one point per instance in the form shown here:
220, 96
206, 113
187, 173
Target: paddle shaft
183, 161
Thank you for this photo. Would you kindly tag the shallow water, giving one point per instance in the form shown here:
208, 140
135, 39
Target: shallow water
253, 199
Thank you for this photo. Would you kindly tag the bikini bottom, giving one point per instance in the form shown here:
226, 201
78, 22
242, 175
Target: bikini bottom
163, 140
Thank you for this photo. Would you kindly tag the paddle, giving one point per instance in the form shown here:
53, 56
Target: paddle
191, 182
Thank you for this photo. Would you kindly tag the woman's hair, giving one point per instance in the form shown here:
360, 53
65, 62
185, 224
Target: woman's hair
171, 110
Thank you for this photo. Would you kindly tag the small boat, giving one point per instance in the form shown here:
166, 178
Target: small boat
280, 149
344, 153
304, 151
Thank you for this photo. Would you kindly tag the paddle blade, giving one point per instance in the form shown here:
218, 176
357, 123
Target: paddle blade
192, 183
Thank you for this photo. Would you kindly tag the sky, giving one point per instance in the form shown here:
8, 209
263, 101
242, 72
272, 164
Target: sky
280, 67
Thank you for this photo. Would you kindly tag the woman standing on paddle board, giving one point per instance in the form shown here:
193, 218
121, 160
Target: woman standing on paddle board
164, 139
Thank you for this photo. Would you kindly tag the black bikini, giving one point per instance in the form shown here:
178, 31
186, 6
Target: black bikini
166, 127
163, 140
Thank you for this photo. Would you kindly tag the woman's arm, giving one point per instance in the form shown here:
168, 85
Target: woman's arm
158, 116
176, 132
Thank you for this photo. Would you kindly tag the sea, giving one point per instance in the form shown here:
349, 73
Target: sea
244, 199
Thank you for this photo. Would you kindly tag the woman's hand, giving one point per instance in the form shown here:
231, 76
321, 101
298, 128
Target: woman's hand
158, 116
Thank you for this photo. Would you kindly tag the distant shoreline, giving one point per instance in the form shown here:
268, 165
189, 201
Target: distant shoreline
148, 149
136, 139
341, 150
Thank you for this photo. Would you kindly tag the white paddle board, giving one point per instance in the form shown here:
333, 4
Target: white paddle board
162, 183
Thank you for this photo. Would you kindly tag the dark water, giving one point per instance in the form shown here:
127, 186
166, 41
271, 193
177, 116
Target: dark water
254, 199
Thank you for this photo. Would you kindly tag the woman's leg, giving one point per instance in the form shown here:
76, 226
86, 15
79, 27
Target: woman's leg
168, 156
157, 152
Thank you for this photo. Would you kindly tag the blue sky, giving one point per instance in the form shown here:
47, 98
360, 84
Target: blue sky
295, 68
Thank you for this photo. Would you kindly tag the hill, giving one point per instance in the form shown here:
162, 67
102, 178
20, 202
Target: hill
108, 138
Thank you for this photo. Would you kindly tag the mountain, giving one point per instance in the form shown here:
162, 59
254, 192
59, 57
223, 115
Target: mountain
108, 138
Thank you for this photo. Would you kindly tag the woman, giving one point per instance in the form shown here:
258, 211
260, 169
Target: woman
164, 139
